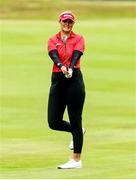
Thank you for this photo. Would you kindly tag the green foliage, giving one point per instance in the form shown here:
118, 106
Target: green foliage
50, 9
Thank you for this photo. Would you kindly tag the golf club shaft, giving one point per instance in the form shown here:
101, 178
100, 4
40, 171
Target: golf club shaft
66, 57
65, 46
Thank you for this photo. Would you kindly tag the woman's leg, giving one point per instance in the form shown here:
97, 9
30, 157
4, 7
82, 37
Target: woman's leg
56, 106
75, 102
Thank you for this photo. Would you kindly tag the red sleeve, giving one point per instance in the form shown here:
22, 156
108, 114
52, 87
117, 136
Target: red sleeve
80, 44
51, 45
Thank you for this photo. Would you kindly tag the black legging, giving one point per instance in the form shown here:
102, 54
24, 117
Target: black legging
71, 93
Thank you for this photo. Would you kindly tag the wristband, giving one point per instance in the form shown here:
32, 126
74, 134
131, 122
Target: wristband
59, 65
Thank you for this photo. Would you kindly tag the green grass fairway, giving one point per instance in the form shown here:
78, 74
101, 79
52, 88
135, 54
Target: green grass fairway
29, 149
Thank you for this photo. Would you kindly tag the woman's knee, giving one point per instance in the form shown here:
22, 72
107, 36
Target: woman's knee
52, 125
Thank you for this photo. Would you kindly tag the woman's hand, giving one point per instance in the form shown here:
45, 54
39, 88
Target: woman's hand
69, 74
64, 70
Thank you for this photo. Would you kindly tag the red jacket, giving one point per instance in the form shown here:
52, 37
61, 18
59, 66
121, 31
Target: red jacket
74, 42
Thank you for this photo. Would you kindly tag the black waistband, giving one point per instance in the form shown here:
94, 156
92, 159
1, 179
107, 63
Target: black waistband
60, 76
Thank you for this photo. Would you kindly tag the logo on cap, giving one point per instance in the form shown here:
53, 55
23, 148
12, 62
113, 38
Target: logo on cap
67, 15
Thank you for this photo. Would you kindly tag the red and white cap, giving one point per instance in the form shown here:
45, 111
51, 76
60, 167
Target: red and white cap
67, 15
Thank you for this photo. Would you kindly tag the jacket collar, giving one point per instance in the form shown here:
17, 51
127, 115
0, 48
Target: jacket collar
72, 34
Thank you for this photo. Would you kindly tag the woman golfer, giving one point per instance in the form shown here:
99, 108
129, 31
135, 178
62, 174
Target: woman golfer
67, 86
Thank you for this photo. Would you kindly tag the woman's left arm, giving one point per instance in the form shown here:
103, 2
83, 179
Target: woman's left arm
75, 57
78, 51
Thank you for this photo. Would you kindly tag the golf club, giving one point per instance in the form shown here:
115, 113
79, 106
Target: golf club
65, 42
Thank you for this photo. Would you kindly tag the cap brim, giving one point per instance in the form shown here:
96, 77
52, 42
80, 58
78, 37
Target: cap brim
63, 19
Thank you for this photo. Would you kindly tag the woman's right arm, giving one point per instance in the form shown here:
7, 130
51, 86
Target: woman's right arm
53, 53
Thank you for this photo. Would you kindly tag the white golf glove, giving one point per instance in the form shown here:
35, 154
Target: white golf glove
70, 72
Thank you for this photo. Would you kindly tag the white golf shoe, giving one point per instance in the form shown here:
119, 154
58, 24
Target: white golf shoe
71, 164
71, 145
